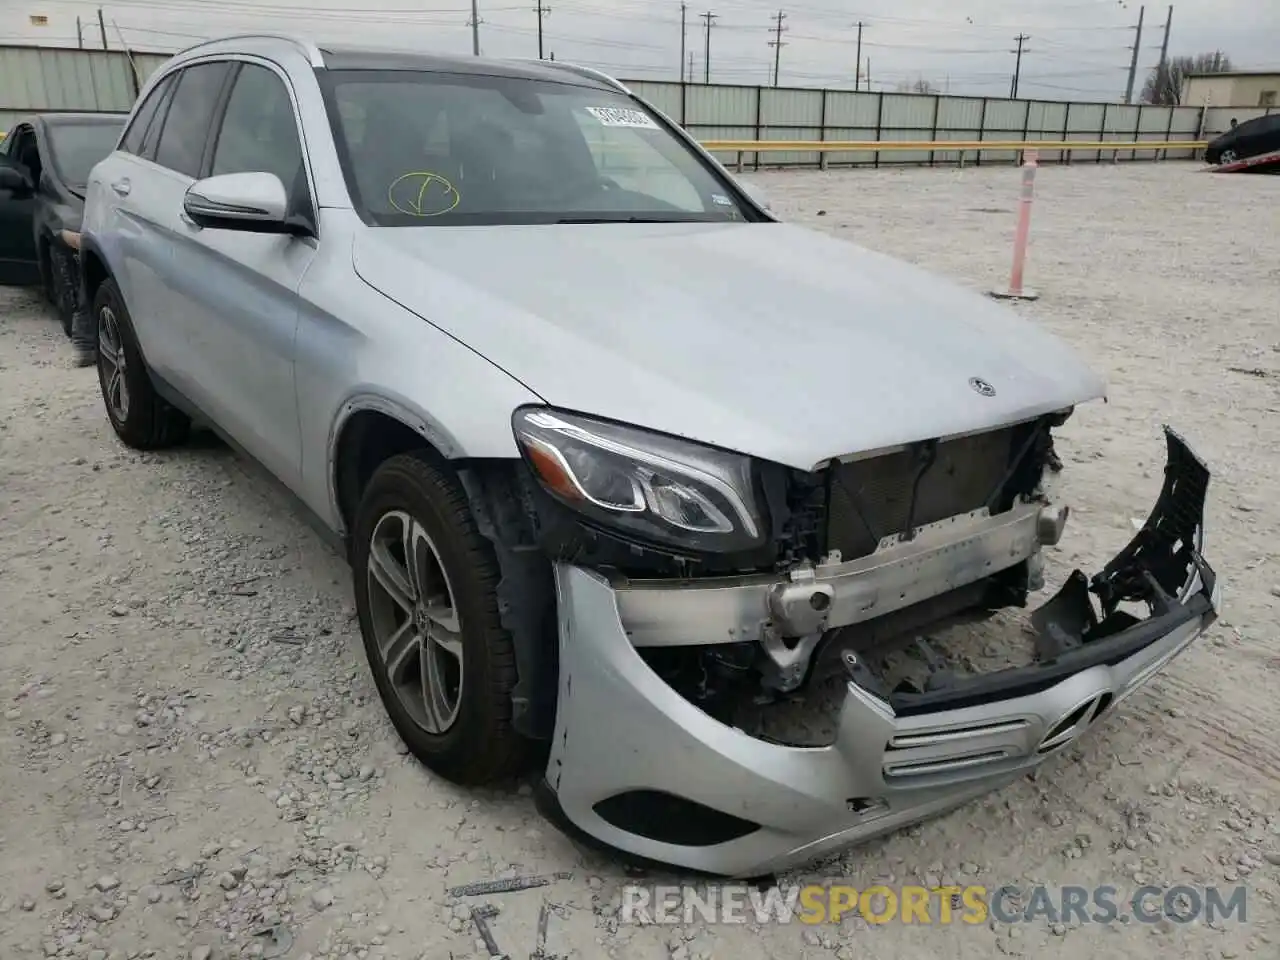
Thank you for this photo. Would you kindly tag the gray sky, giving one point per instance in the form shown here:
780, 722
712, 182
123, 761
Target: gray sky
1077, 48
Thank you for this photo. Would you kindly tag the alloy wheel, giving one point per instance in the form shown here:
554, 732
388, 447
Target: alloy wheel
415, 621
113, 365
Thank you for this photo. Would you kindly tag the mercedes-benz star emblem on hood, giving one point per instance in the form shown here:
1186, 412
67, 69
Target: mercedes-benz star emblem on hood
981, 386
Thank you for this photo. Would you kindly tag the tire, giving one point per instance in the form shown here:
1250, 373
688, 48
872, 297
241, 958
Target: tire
48, 282
56, 287
410, 497
51, 285
143, 420
1227, 156
65, 315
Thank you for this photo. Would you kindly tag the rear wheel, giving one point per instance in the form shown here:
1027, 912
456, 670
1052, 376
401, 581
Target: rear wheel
139, 415
425, 586
47, 281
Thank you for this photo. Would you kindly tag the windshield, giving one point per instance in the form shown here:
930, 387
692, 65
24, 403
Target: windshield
433, 149
77, 147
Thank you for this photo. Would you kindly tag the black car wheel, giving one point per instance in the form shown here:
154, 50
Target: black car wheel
1227, 156
426, 593
139, 415
47, 279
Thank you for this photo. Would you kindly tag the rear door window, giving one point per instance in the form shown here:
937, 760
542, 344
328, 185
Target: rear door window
152, 135
133, 137
190, 116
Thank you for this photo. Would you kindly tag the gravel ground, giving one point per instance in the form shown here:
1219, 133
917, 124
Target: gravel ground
191, 751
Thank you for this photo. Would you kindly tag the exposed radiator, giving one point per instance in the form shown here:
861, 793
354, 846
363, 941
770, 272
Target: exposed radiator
962, 476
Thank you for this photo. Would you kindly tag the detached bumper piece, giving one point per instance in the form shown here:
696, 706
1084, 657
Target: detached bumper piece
1161, 567
636, 768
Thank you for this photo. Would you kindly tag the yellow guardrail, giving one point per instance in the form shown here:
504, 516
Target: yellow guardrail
900, 146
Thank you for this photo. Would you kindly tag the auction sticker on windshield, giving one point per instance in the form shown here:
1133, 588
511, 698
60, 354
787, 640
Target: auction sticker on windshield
622, 117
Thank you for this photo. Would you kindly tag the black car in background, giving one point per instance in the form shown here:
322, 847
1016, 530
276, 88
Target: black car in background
1249, 139
44, 164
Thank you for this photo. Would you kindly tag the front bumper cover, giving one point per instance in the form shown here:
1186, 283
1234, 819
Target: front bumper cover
637, 768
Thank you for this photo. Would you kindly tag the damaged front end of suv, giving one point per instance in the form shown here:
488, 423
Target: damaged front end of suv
733, 661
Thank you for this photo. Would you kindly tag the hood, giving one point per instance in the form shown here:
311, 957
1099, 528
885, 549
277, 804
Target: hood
765, 338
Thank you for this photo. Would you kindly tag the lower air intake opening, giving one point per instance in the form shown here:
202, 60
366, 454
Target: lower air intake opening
666, 818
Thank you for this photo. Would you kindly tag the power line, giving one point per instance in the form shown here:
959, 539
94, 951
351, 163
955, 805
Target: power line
1133, 64
1161, 72
777, 43
684, 9
710, 19
584, 41
1017, 65
857, 61
474, 24
285, 11
542, 11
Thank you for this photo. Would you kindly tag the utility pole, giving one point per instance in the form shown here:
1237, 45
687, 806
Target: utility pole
1133, 63
1017, 65
1162, 74
79, 34
542, 11
102, 28
777, 43
683, 31
857, 70
710, 19
474, 24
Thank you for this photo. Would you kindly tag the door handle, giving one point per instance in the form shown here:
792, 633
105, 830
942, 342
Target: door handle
122, 187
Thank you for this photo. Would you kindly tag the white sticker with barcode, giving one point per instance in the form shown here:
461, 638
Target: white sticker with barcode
622, 117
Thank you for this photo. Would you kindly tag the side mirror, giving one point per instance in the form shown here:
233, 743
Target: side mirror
252, 202
757, 194
15, 179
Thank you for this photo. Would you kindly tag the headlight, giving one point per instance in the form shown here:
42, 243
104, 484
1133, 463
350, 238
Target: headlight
655, 487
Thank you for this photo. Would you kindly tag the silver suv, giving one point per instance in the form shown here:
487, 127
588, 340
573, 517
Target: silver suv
630, 475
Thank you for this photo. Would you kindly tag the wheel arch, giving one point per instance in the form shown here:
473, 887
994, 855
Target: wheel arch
94, 269
369, 429
372, 428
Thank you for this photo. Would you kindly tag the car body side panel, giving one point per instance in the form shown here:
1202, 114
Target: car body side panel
362, 351
237, 296
134, 233
18, 264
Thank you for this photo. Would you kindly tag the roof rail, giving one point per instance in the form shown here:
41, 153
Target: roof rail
580, 70
309, 49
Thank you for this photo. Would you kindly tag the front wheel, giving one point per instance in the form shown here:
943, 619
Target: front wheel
1227, 156
425, 587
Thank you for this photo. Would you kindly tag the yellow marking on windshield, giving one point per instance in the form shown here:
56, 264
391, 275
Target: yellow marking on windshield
415, 207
